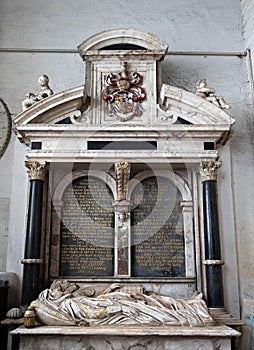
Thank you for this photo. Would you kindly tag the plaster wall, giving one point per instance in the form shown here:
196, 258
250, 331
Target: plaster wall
248, 22
185, 26
246, 240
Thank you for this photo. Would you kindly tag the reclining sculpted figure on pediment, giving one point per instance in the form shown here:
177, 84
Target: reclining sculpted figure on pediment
65, 304
202, 90
176, 103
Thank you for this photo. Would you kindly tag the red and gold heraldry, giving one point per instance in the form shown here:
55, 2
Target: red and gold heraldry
124, 94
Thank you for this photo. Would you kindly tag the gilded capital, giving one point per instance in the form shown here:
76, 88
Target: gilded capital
122, 170
208, 169
36, 170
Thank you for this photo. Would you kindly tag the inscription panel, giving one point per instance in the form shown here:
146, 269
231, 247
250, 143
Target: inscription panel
157, 229
87, 229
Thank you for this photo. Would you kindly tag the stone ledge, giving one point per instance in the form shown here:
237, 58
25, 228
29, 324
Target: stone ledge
128, 330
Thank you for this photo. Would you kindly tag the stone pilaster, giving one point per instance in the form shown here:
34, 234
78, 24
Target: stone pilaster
32, 260
122, 237
122, 219
212, 262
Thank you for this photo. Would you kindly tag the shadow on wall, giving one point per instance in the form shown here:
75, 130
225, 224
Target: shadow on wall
8, 284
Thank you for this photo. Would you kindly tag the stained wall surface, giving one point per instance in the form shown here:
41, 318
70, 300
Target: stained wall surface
210, 26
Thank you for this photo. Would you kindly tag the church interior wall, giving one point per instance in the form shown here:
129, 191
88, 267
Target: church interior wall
208, 26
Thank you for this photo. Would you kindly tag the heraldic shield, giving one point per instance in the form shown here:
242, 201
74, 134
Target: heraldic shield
123, 95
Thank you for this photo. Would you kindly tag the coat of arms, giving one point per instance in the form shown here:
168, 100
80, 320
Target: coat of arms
124, 95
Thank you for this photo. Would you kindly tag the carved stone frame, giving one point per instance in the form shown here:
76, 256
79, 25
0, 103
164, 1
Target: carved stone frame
187, 204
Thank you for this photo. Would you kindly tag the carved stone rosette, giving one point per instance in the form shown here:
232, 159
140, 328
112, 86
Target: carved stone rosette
208, 169
122, 170
36, 170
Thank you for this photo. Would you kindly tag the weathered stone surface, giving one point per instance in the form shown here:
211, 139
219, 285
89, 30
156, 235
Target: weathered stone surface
126, 338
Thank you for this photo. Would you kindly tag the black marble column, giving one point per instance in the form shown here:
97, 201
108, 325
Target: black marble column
212, 262
32, 261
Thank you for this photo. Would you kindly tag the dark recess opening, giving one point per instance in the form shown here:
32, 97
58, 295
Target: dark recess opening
123, 47
209, 146
121, 145
36, 145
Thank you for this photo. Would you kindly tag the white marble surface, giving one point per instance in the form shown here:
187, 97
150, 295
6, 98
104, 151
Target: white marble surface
121, 343
171, 331
126, 338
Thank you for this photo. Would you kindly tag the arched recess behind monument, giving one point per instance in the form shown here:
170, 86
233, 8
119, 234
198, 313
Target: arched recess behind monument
162, 226
82, 225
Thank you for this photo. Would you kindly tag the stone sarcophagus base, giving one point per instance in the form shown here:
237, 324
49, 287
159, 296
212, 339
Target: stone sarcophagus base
126, 338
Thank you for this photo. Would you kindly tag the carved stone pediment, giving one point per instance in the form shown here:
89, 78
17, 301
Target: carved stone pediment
54, 108
191, 108
123, 101
175, 103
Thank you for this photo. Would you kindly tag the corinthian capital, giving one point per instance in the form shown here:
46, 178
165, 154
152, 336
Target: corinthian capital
208, 169
36, 170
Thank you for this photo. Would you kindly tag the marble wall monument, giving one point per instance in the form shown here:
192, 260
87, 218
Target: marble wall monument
123, 176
